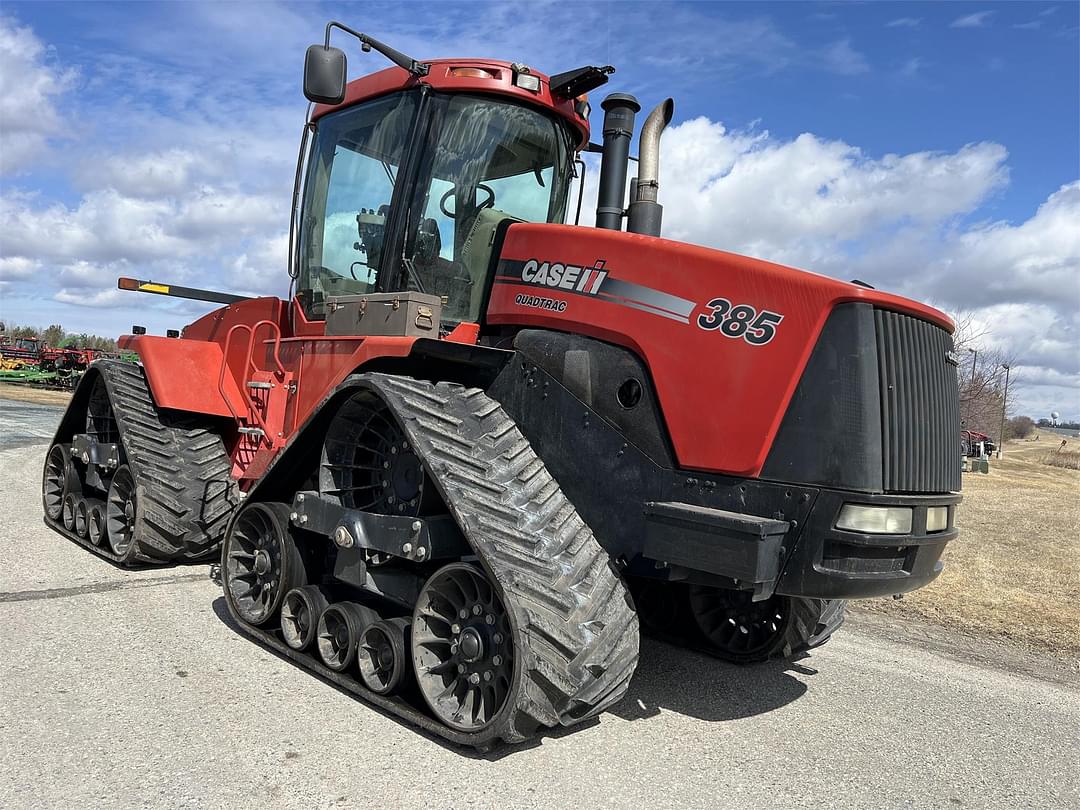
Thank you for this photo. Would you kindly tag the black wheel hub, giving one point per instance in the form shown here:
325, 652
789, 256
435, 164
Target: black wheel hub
462, 648
736, 626
253, 565
120, 512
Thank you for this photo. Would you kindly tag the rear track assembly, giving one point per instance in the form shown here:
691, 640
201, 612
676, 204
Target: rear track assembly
164, 478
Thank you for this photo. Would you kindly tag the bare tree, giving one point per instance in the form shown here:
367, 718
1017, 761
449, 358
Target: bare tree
981, 375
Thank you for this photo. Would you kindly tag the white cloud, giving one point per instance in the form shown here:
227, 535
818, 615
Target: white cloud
904, 22
29, 85
802, 200
260, 270
16, 267
841, 58
979, 19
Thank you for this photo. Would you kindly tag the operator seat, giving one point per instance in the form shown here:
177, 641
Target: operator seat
476, 253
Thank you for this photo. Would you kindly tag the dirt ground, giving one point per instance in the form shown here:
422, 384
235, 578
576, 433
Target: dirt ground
39, 396
1014, 572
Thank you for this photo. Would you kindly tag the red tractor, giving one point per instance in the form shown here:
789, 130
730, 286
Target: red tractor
477, 447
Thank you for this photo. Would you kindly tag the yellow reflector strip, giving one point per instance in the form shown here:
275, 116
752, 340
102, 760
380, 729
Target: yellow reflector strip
155, 288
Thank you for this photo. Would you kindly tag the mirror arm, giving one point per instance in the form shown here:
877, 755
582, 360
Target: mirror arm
397, 57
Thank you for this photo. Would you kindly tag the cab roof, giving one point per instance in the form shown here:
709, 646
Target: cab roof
441, 76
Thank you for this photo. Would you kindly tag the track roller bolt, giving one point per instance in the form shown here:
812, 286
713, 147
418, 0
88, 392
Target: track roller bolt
342, 537
474, 679
421, 553
385, 484
477, 610
497, 638
461, 669
464, 613
293, 515
85, 457
386, 465
303, 519
454, 648
407, 548
496, 660
487, 676
455, 629
416, 524
390, 499
300, 498
489, 619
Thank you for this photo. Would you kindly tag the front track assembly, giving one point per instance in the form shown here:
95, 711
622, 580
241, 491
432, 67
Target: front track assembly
531, 628
131, 483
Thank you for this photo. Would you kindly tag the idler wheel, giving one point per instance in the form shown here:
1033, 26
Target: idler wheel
60, 478
121, 512
739, 629
300, 613
382, 655
339, 631
260, 562
462, 648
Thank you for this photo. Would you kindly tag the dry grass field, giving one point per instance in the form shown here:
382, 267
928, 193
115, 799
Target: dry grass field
38, 396
1014, 573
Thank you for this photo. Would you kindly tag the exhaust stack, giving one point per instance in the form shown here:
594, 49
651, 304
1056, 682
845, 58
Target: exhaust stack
645, 212
619, 112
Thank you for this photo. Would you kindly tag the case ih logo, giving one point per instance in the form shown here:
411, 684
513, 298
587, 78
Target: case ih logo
585, 280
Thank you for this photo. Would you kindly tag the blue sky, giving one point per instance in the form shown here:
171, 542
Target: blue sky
930, 148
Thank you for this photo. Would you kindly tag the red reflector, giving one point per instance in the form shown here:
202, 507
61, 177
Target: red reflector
127, 283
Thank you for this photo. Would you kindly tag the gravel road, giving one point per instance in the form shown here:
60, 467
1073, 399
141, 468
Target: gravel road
124, 688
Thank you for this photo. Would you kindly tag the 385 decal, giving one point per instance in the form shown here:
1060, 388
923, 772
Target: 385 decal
740, 321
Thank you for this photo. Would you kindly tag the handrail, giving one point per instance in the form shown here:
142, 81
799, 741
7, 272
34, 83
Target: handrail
249, 365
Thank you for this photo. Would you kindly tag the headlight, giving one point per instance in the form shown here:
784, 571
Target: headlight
875, 519
937, 518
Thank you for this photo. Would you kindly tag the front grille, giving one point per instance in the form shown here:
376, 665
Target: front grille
920, 405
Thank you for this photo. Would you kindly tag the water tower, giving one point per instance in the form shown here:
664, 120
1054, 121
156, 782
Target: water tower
1054, 418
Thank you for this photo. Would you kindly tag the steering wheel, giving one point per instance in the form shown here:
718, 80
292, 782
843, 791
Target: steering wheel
488, 203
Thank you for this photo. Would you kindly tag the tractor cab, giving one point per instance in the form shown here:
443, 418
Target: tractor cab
411, 170
379, 216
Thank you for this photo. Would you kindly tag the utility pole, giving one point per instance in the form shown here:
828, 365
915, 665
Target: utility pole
974, 360
1004, 404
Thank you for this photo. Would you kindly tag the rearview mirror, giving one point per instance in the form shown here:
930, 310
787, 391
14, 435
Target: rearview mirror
324, 75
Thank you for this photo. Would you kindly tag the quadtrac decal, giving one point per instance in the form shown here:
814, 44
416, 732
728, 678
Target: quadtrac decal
740, 321
594, 281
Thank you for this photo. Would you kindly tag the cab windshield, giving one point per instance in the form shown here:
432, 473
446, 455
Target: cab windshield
487, 160
480, 160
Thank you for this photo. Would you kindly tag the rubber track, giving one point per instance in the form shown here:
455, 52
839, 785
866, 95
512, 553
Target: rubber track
577, 632
182, 474
813, 622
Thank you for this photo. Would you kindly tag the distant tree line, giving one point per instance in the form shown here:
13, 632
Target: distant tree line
1044, 422
58, 337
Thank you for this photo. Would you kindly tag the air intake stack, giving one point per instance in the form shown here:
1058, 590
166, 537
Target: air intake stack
619, 112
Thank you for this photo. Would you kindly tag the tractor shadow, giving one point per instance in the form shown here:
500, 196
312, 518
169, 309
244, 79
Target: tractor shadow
668, 678
691, 683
